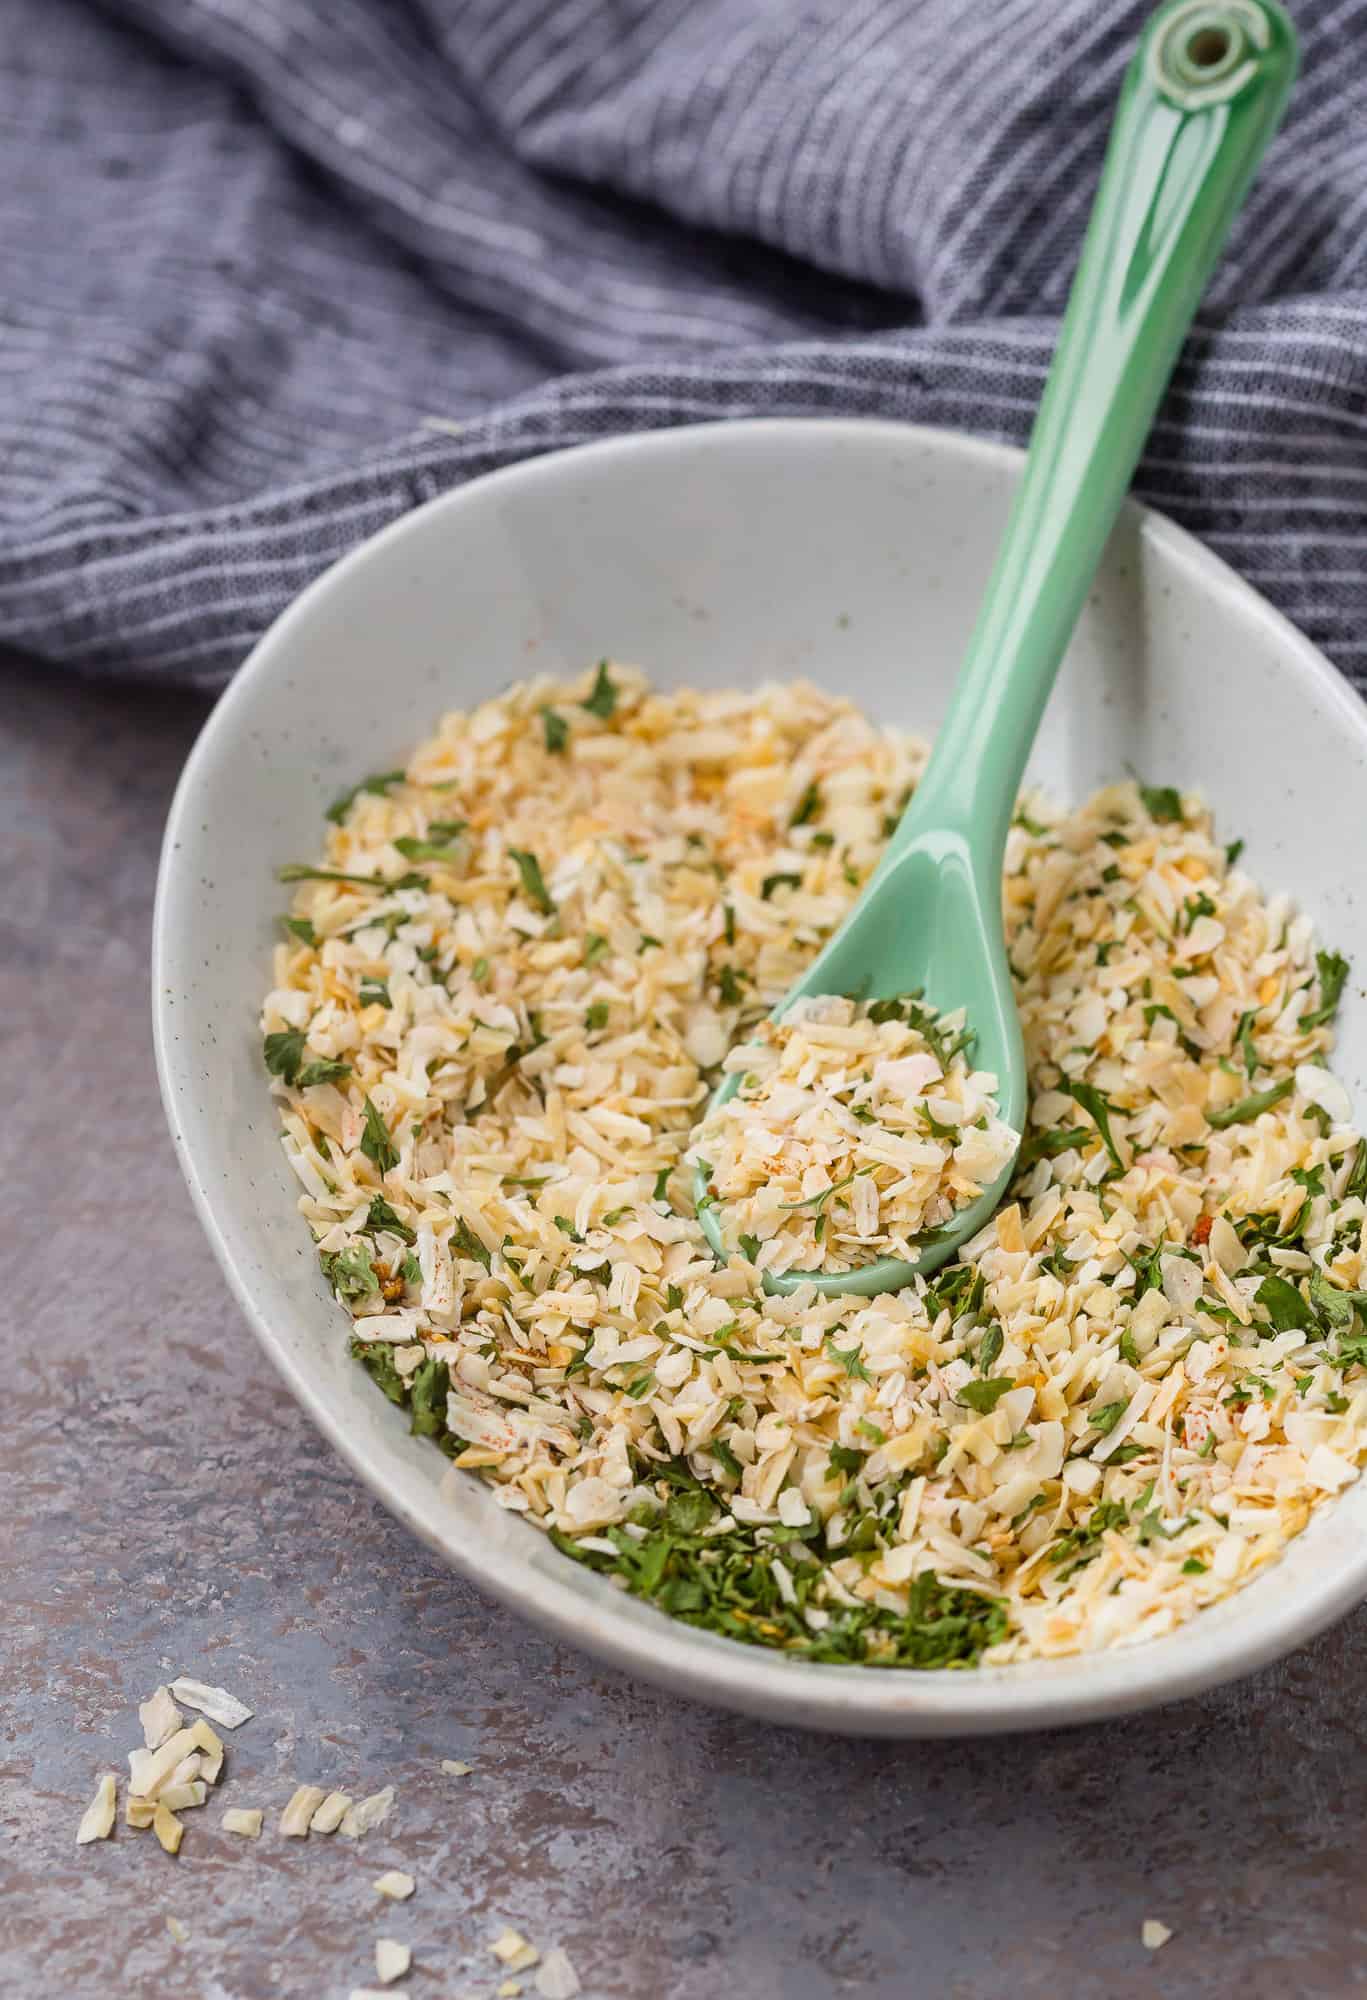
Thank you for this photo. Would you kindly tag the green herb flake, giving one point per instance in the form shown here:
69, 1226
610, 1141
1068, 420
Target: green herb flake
376, 1143
298, 871
990, 1347
413, 849
602, 698
557, 730
985, 1394
851, 1359
1243, 1040
1162, 802
727, 1459
380, 1215
1336, 1308
533, 882
1080, 1544
284, 1052
1251, 1107
325, 1070
377, 1358
1148, 1266
427, 1389
350, 1273
464, 1239
780, 881
817, 1202
595, 947
1048, 1145
1283, 1304
378, 786
1100, 1109
1332, 969
808, 806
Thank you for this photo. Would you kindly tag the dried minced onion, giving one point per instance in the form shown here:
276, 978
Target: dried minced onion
392, 1960
303, 1804
555, 1978
221, 1707
515, 1951
167, 1828
331, 1813
159, 1717
97, 1821
367, 1813
150, 1770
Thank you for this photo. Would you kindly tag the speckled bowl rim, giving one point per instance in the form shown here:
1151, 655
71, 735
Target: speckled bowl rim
573, 1603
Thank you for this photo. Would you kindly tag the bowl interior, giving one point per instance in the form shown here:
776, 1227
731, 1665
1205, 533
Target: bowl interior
851, 553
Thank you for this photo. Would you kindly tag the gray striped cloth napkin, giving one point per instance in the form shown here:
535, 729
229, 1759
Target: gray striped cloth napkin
253, 247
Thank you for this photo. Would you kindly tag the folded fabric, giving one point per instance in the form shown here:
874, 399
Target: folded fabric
276, 270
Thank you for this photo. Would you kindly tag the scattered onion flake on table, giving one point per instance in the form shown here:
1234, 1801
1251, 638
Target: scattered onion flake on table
504, 998
855, 1129
177, 1766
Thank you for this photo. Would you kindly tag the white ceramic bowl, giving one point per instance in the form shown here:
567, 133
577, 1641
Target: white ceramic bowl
853, 553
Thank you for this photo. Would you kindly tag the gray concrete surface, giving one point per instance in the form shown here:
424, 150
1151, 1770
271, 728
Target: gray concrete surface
166, 1509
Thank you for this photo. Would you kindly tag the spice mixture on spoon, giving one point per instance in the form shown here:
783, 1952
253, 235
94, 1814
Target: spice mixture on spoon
505, 996
855, 1130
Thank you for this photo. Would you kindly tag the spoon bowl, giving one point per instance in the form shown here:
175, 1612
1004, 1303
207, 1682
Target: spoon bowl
929, 923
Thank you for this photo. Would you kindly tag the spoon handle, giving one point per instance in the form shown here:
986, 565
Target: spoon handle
1200, 102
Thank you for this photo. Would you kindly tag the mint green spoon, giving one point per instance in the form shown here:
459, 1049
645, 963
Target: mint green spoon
1202, 98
